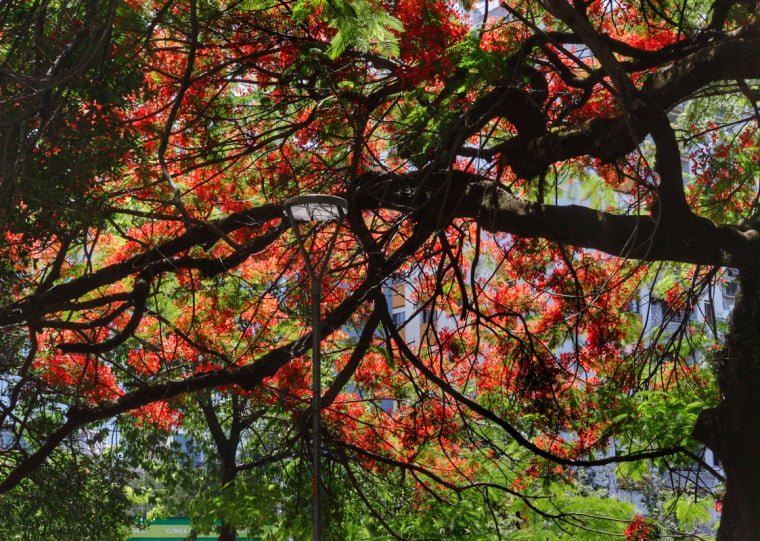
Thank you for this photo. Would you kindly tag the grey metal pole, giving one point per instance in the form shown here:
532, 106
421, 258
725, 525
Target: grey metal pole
316, 207
316, 393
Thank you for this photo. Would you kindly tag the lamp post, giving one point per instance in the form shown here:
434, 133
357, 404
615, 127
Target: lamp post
315, 208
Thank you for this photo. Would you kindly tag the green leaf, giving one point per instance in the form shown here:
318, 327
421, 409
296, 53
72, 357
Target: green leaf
362, 26
689, 513
633, 470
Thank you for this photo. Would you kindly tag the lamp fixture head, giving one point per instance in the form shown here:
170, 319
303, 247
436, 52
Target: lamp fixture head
315, 207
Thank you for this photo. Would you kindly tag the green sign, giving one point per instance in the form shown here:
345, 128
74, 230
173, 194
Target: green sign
172, 529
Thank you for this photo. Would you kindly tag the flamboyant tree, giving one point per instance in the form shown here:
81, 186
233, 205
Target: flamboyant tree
147, 149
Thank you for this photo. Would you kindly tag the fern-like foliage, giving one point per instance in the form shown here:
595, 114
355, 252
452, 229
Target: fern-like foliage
359, 25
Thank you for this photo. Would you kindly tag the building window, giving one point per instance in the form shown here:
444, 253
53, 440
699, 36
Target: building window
399, 320
714, 460
669, 315
709, 312
428, 318
731, 286
674, 316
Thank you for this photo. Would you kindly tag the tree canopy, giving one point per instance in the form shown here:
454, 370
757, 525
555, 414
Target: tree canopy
517, 172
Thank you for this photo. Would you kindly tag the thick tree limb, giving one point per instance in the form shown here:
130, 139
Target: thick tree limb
735, 56
693, 240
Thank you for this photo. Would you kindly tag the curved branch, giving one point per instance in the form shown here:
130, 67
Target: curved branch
365, 340
62, 295
731, 57
515, 434
140, 293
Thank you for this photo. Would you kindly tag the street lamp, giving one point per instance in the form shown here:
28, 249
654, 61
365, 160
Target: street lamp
315, 208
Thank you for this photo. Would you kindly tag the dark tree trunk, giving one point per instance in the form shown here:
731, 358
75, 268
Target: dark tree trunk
226, 448
732, 430
229, 472
227, 533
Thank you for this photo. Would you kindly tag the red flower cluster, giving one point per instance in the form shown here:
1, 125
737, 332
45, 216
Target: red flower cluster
641, 529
